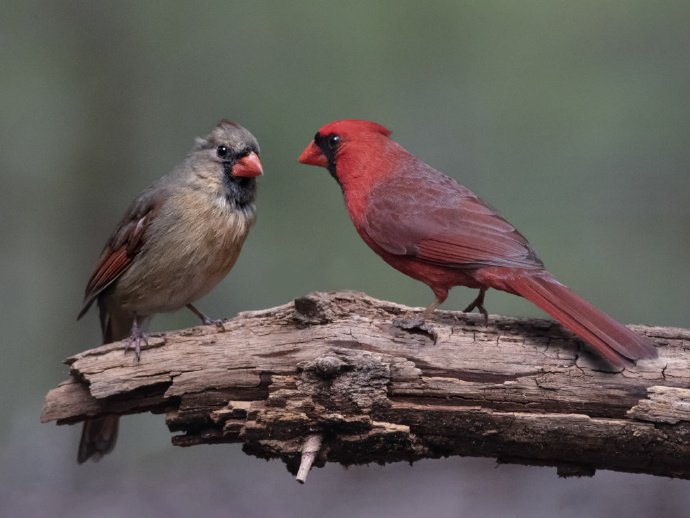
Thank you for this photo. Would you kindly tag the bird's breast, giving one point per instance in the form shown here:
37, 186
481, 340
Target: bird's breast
192, 245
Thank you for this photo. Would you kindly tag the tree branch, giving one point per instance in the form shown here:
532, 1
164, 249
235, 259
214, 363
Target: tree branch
330, 378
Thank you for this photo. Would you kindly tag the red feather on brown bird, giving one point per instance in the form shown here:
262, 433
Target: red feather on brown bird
175, 242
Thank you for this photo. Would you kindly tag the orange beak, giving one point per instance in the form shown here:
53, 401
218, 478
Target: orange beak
312, 155
248, 166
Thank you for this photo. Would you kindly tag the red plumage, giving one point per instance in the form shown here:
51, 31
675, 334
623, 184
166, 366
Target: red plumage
429, 227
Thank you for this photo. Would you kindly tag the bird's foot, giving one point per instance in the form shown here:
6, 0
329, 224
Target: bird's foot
481, 309
135, 339
416, 325
478, 303
205, 320
218, 322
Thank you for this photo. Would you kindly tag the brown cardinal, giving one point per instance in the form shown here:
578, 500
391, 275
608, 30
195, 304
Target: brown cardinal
429, 227
176, 241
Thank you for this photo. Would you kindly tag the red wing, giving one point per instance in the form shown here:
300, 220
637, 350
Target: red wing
424, 214
122, 247
111, 265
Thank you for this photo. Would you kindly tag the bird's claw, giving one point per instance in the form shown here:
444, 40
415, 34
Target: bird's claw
478, 303
136, 338
206, 320
480, 308
218, 322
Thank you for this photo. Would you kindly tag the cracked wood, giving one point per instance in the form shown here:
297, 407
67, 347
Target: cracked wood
334, 365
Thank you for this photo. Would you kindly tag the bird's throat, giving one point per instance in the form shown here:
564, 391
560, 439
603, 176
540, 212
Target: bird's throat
239, 191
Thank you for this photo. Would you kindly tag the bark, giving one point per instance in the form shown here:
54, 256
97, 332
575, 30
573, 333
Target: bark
329, 377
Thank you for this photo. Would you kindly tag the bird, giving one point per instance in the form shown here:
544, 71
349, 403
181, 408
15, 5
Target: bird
175, 242
429, 227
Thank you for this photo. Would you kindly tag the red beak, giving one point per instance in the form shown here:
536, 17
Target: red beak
248, 166
312, 155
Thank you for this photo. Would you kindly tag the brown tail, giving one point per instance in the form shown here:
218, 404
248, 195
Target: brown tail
98, 438
615, 342
99, 435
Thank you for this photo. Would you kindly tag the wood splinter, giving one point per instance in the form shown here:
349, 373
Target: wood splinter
310, 450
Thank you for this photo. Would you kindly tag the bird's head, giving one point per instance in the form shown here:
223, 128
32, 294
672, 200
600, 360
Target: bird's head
228, 158
351, 141
234, 148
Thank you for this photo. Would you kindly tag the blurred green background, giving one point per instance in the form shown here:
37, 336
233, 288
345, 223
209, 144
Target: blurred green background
571, 117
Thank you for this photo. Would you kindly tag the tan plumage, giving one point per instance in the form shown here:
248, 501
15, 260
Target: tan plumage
176, 241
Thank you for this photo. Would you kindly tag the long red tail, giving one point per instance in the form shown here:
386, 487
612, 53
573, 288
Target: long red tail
618, 344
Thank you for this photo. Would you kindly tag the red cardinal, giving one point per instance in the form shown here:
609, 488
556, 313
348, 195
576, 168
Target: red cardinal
429, 227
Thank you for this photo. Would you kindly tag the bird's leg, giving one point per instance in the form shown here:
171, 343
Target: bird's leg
479, 304
136, 337
431, 308
418, 324
418, 321
206, 320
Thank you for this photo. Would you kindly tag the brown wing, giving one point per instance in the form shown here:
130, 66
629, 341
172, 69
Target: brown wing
422, 213
123, 246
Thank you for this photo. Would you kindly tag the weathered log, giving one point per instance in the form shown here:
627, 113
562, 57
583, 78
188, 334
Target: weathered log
333, 368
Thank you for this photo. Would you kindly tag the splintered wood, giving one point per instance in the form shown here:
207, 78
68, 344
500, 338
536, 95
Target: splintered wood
330, 378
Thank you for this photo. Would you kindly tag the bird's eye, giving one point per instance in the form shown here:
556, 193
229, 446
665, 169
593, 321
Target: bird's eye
222, 151
333, 141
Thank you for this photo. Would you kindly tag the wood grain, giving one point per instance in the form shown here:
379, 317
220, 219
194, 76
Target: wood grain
333, 365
